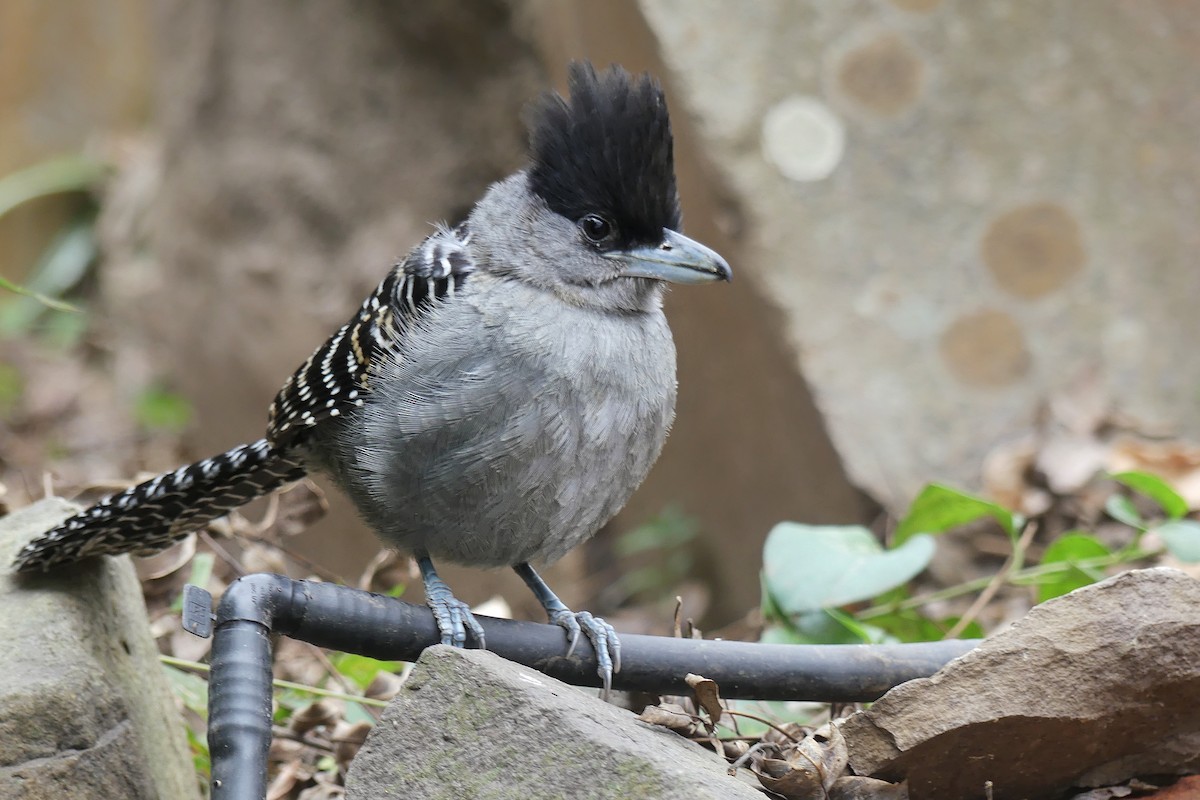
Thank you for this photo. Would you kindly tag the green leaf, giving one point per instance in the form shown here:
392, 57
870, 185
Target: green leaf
201, 760
202, 568
1156, 489
939, 508
57, 305
671, 528
160, 410
908, 625
1069, 548
355, 713
61, 267
808, 567
972, 630
53, 176
1122, 509
12, 386
823, 626
360, 669
1182, 538
192, 690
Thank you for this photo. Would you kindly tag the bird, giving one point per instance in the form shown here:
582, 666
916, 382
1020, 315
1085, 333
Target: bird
501, 393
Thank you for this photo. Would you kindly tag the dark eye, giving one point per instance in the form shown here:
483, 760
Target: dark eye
595, 227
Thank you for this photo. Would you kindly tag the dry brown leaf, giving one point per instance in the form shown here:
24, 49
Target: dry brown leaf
786, 734
707, 695
1176, 462
387, 569
1006, 468
1069, 461
735, 749
384, 686
347, 738
323, 712
288, 779
858, 787
301, 505
784, 778
809, 769
670, 715
285, 750
171, 560
323, 791
263, 558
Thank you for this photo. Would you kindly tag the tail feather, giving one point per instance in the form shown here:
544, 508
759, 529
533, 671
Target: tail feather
150, 516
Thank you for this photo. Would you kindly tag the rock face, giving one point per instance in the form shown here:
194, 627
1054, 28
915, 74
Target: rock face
85, 711
1088, 690
470, 724
959, 207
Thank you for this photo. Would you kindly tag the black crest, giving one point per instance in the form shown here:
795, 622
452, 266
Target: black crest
607, 150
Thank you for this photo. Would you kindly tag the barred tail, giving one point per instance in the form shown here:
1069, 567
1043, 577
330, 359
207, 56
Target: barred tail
148, 517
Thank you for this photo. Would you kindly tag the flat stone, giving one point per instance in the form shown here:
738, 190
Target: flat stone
85, 711
470, 724
1088, 690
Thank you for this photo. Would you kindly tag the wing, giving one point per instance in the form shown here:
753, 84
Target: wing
334, 378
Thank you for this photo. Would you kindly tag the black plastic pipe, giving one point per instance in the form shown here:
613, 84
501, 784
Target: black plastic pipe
354, 621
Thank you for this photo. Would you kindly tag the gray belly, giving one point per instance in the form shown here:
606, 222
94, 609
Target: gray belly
494, 444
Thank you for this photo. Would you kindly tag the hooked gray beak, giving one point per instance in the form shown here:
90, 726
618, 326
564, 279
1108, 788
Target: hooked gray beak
677, 259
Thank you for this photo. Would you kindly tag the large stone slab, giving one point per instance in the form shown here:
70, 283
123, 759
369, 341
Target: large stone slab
85, 711
470, 724
960, 208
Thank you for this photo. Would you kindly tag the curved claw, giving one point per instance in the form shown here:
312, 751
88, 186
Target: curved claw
602, 636
452, 615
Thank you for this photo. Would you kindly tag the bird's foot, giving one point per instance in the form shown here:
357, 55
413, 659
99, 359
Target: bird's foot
602, 636
452, 615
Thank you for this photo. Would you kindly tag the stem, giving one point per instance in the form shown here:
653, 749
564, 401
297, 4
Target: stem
766, 722
1039, 571
196, 666
1015, 561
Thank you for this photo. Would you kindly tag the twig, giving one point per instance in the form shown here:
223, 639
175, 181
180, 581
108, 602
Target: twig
311, 567
1014, 563
221, 552
766, 722
1120, 557
196, 666
280, 732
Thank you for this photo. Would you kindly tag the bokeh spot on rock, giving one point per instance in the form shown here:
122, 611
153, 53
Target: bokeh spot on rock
985, 349
1034, 249
803, 138
883, 76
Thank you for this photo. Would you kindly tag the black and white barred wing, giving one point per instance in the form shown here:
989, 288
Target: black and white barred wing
334, 379
153, 514
150, 516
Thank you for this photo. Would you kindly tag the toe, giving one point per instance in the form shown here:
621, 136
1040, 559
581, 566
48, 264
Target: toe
567, 620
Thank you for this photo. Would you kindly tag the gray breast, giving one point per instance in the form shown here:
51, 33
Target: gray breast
507, 427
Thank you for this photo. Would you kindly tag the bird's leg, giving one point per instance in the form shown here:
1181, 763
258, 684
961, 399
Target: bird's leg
602, 636
452, 615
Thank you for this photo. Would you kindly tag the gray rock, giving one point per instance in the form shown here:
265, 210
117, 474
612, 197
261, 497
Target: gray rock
1088, 690
960, 208
85, 711
470, 724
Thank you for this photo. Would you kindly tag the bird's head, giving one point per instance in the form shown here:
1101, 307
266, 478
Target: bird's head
598, 207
